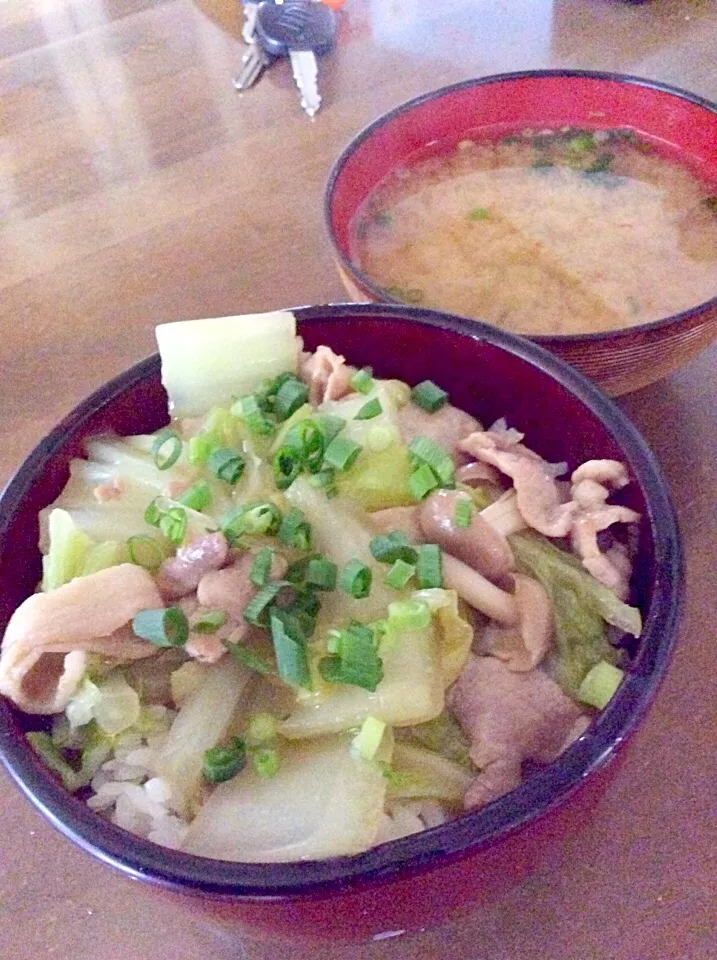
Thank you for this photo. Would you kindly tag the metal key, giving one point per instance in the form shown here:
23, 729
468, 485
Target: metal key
301, 30
254, 63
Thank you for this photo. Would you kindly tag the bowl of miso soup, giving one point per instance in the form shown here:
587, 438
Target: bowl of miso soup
575, 208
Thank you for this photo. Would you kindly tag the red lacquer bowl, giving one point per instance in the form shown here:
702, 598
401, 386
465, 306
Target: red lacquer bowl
414, 882
681, 125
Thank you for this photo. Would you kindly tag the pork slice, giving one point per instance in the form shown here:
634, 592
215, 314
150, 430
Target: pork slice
49, 635
446, 427
326, 375
538, 494
180, 575
508, 717
231, 589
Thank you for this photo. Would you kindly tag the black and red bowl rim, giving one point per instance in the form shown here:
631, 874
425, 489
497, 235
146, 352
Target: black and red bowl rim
367, 285
457, 839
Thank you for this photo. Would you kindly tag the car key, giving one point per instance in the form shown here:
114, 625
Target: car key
254, 63
301, 30
251, 8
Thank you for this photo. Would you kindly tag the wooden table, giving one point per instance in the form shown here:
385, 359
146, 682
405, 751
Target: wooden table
136, 186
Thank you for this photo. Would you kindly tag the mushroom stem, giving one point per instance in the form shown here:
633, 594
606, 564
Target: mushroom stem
504, 515
478, 592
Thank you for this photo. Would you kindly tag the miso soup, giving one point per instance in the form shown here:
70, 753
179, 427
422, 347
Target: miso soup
552, 233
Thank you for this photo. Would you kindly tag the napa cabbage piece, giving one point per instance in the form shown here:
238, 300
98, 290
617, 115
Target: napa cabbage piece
67, 550
415, 773
324, 801
207, 362
581, 609
113, 704
411, 691
201, 723
455, 634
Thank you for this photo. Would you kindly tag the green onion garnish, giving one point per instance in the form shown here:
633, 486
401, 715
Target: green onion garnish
295, 531
392, 546
323, 480
286, 467
423, 450
428, 396
256, 611
261, 567
290, 649
250, 411
356, 579
266, 762
163, 628
368, 739
369, 410
261, 519
173, 524
362, 380
600, 684
199, 448
303, 611
222, 763
145, 552
197, 496
291, 395
226, 464
210, 621
166, 449
341, 453
409, 615
330, 426
308, 442
422, 481
321, 573
355, 661
429, 573
262, 728
463, 512
247, 658
153, 513
399, 574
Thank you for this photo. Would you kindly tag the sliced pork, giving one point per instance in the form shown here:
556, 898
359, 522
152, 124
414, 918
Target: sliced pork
180, 575
446, 427
326, 375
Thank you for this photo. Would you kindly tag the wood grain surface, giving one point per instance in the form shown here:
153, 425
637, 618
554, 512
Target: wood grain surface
137, 186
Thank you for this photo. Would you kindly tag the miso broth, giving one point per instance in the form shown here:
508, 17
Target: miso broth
553, 233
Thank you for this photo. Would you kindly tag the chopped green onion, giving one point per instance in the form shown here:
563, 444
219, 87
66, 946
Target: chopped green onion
294, 530
197, 496
210, 621
356, 579
265, 762
250, 411
330, 426
247, 658
256, 611
262, 728
399, 574
291, 395
222, 763
303, 611
261, 519
145, 552
153, 514
369, 410
308, 443
286, 467
422, 481
227, 464
392, 546
428, 396
323, 480
261, 567
600, 684
166, 449
199, 449
429, 574
268, 389
321, 573
423, 450
290, 649
409, 615
173, 524
163, 628
355, 661
362, 380
464, 512
341, 453
367, 741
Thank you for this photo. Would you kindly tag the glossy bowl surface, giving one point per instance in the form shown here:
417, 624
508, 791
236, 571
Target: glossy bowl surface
491, 374
682, 126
